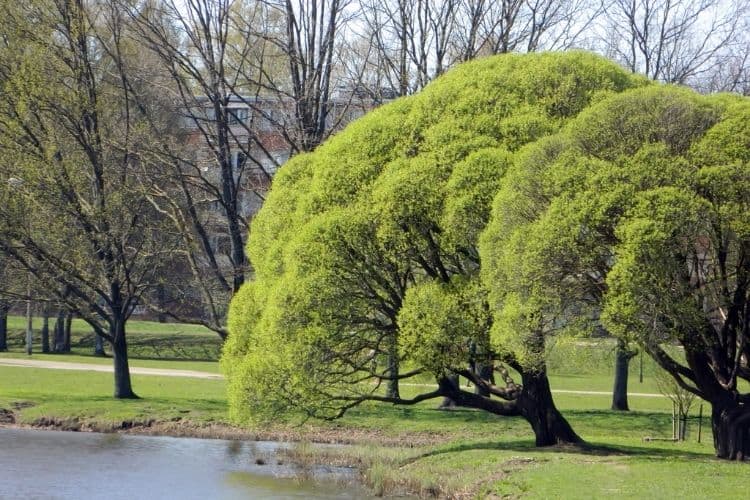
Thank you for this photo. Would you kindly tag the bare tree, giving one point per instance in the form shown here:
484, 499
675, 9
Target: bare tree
214, 153
675, 41
310, 36
416, 41
253, 82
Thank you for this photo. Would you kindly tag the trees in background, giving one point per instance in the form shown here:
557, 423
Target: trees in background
235, 72
407, 44
367, 259
191, 45
680, 41
73, 135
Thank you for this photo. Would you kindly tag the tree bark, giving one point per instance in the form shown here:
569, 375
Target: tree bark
161, 297
58, 342
730, 423
66, 332
45, 329
485, 372
123, 387
537, 406
620, 389
29, 323
392, 388
4, 308
448, 402
99, 345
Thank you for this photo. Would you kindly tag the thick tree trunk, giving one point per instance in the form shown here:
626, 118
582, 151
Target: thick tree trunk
45, 329
123, 388
620, 389
537, 406
447, 403
731, 428
4, 308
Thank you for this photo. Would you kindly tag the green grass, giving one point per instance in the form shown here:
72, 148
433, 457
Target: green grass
63, 394
476, 453
146, 339
449, 453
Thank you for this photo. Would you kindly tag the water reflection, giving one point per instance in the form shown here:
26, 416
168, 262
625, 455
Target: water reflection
69, 465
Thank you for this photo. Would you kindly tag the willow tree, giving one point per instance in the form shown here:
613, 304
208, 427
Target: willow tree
366, 250
636, 216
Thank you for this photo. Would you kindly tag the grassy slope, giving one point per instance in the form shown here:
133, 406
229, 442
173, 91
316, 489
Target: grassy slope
449, 453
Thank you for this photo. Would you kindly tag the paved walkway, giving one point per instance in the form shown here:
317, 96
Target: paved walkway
134, 370
166, 372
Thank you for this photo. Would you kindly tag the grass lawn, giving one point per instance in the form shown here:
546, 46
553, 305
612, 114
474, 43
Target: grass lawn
146, 339
460, 453
429, 451
87, 396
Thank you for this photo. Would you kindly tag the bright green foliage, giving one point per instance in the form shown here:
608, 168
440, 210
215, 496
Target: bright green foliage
635, 215
550, 244
443, 325
366, 250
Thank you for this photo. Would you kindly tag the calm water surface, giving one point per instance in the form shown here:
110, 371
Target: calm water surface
74, 465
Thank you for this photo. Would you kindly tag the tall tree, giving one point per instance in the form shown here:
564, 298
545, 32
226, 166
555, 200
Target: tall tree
75, 216
634, 215
366, 251
192, 42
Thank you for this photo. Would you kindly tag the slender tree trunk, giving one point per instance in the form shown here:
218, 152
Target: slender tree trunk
620, 389
123, 387
537, 406
66, 332
29, 325
4, 308
731, 428
98, 345
392, 388
58, 342
161, 297
45, 328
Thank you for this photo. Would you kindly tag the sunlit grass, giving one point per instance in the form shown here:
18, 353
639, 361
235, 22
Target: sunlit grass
419, 448
146, 339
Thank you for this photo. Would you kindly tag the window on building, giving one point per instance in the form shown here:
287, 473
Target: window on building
237, 116
240, 159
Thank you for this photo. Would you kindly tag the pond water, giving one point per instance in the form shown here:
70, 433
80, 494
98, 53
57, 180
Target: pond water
74, 465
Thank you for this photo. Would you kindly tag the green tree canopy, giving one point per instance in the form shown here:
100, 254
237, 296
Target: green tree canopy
635, 216
366, 251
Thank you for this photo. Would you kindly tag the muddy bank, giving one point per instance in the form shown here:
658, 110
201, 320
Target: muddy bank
9, 417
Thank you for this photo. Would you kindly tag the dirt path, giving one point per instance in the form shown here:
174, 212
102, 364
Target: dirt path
134, 370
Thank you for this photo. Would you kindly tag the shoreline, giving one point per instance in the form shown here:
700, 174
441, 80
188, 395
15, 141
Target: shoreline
189, 429
303, 448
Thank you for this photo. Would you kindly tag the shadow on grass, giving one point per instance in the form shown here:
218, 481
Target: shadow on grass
583, 449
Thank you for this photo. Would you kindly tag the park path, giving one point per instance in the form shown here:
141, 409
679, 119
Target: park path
167, 372
134, 370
